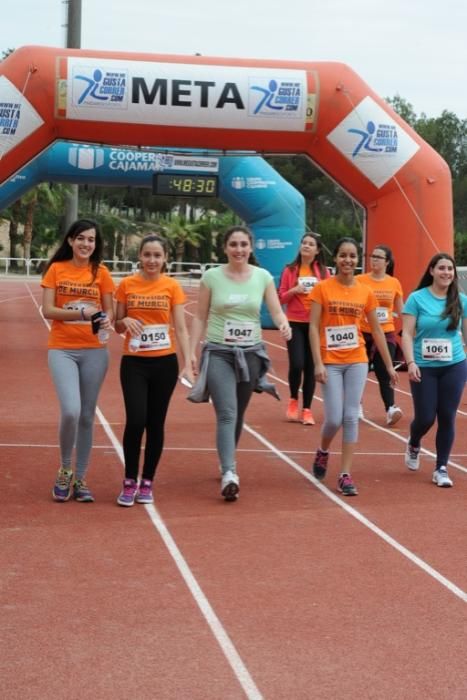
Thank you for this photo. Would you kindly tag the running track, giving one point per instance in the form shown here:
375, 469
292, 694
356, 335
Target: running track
291, 593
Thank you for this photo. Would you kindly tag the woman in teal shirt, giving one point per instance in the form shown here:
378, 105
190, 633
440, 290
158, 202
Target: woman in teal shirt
434, 325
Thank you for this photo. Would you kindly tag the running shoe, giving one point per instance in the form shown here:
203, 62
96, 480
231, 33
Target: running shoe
62, 488
320, 464
393, 415
292, 410
230, 485
144, 493
128, 494
412, 457
346, 486
307, 417
441, 478
81, 492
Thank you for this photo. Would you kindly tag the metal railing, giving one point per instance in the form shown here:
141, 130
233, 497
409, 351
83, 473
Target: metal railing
35, 266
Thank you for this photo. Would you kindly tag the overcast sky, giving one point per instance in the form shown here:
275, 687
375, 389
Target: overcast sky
414, 48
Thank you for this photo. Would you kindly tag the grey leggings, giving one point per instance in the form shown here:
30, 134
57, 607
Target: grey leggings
230, 399
78, 376
342, 394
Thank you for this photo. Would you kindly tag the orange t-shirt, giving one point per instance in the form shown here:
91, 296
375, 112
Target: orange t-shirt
151, 302
385, 291
74, 289
342, 310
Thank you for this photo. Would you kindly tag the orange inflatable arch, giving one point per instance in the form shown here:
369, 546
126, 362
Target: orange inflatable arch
319, 109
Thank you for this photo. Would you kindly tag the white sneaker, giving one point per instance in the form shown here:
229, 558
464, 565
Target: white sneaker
393, 415
361, 415
441, 477
230, 485
412, 457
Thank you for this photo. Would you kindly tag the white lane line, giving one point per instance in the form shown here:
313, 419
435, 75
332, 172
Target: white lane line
215, 625
382, 429
436, 575
233, 657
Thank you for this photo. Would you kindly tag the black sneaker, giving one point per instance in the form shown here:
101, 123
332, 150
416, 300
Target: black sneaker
320, 464
346, 486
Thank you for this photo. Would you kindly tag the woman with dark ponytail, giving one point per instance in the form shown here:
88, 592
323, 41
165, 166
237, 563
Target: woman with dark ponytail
297, 282
434, 324
388, 292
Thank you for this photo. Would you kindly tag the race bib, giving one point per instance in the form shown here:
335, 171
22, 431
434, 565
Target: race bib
437, 349
155, 338
341, 337
307, 282
382, 314
237, 333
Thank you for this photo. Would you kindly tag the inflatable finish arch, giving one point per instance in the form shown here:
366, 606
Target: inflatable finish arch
323, 110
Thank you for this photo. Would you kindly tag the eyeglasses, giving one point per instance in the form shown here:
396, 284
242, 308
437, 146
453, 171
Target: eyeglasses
378, 257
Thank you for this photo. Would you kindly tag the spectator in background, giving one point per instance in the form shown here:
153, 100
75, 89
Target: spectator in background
297, 282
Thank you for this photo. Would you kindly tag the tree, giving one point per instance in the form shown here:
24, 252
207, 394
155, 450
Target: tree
179, 233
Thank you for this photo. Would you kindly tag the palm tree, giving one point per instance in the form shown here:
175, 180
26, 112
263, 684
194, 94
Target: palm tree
179, 233
46, 196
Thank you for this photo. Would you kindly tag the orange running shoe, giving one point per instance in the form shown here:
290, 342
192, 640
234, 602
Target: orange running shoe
292, 410
307, 417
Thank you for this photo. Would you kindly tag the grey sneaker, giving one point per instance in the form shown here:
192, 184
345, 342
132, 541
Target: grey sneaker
62, 487
412, 457
393, 415
441, 478
81, 492
230, 486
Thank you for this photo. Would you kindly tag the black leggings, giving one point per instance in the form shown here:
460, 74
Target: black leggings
438, 395
384, 381
147, 384
301, 363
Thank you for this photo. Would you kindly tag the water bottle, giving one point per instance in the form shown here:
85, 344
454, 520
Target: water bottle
103, 334
134, 344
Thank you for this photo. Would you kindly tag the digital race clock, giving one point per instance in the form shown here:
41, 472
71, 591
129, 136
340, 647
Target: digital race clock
185, 185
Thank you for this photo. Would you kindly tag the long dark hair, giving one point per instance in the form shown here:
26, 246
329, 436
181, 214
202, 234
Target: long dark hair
341, 241
453, 308
319, 258
389, 258
65, 251
241, 229
155, 238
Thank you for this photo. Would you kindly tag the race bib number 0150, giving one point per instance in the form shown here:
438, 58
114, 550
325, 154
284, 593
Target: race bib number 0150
155, 338
341, 337
236, 333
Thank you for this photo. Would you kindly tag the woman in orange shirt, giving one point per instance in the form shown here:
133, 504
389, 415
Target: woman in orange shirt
148, 302
297, 280
388, 292
75, 287
341, 362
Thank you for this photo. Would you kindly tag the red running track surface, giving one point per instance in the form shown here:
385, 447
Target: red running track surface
292, 592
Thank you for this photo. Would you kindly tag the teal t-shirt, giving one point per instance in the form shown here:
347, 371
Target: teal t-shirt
432, 338
234, 313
